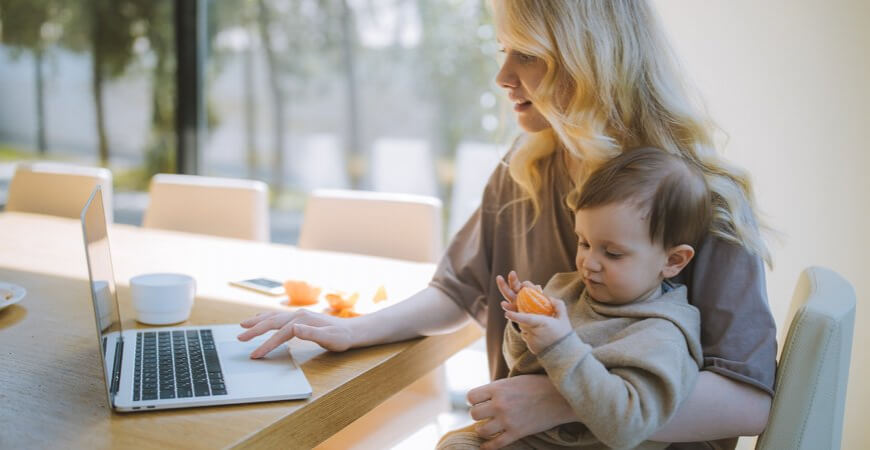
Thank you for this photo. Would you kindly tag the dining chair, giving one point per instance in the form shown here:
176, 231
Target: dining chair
810, 390
403, 165
57, 189
226, 207
475, 162
400, 226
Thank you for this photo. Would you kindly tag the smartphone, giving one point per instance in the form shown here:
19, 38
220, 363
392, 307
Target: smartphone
262, 285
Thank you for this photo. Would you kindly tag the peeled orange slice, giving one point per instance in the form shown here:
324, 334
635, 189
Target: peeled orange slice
300, 293
532, 301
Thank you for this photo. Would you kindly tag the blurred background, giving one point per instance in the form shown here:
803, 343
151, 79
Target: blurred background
788, 81
398, 95
365, 94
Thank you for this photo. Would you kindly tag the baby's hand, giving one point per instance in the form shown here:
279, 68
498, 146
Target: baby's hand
540, 331
509, 290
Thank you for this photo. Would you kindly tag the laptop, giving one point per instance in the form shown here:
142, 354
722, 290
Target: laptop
176, 367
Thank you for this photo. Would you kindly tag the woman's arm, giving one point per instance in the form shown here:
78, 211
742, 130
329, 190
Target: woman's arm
520, 406
427, 312
717, 408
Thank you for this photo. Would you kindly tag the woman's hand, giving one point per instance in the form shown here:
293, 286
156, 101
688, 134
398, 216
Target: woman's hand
427, 312
512, 408
331, 333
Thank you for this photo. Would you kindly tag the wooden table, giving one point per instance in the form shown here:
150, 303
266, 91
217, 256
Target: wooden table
51, 391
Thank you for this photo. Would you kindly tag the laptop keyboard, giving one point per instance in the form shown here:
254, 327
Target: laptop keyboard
176, 364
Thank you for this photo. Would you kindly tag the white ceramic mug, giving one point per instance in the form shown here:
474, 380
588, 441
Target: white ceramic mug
162, 298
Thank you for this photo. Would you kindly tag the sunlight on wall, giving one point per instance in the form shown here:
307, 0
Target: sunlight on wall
788, 81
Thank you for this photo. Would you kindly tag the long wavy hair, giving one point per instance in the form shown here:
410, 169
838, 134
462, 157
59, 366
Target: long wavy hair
613, 83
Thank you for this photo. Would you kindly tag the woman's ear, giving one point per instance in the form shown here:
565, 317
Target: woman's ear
678, 257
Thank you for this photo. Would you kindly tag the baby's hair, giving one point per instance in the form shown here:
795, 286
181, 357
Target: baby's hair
672, 192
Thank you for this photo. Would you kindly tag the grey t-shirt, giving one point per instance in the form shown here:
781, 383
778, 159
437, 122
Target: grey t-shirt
725, 282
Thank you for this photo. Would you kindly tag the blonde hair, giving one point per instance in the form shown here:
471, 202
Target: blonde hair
618, 86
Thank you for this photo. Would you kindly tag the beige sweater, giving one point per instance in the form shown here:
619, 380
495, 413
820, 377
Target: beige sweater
624, 370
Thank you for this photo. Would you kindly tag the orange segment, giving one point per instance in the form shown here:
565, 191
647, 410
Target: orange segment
300, 293
380, 294
532, 301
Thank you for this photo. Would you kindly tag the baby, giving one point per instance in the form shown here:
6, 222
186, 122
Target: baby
624, 348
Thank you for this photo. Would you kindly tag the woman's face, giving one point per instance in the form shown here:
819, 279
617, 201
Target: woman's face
520, 74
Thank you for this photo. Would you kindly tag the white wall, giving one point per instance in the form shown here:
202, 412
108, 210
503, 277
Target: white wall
788, 80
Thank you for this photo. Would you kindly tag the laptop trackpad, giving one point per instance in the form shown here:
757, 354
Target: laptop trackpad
235, 356
273, 377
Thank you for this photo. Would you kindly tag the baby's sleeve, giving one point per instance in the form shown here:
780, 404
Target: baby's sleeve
651, 372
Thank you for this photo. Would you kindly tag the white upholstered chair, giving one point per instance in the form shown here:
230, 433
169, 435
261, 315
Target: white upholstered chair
401, 226
475, 162
391, 225
57, 189
813, 370
226, 207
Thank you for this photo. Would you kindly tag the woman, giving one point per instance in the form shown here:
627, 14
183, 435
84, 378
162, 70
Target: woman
589, 79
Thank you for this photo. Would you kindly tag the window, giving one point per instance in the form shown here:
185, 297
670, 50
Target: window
89, 83
368, 94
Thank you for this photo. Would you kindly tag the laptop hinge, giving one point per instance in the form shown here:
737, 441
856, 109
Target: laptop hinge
116, 368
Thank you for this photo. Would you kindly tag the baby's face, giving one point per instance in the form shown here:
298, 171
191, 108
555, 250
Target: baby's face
615, 256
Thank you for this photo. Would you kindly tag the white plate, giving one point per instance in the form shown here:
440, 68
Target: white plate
10, 294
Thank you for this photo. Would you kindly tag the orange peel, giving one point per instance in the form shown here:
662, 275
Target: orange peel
347, 313
339, 301
380, 294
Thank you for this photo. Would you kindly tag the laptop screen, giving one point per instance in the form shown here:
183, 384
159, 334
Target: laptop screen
102, 280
